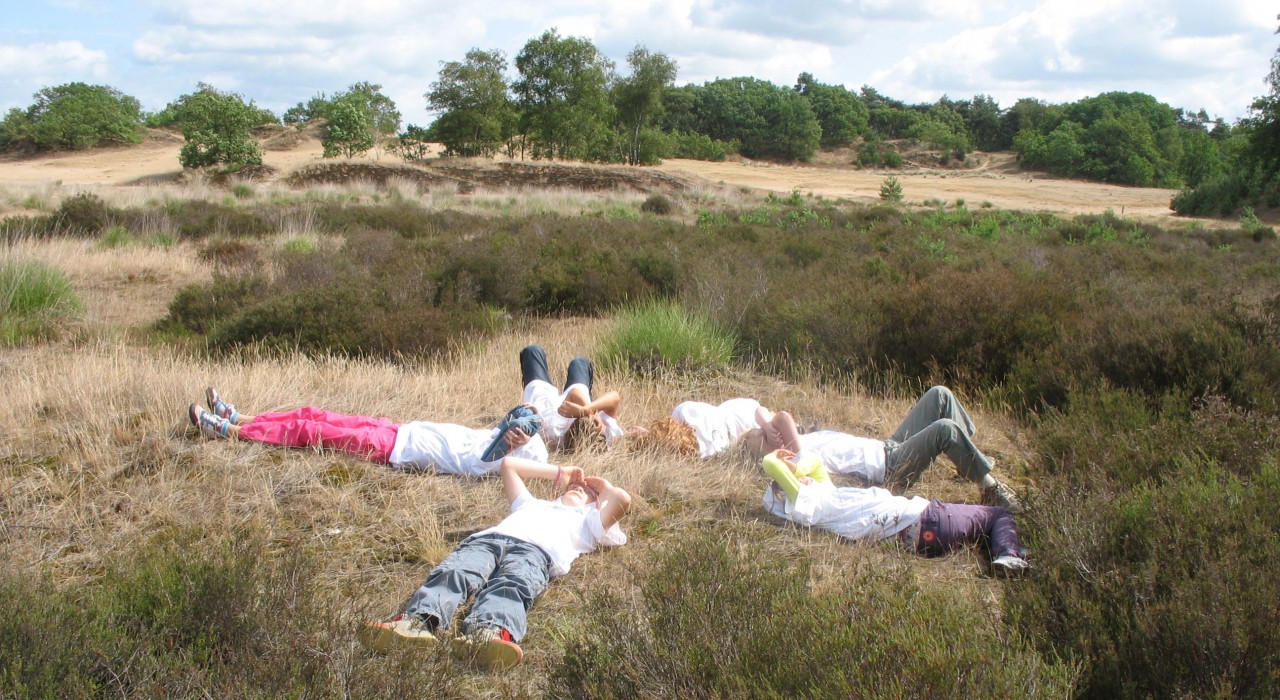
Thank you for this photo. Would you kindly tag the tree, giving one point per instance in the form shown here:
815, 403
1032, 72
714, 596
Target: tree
477, 114
767, 120
983, 120
75, 116
842, 116
563, 93
1264, 123
216, 126
350, 130
638, 97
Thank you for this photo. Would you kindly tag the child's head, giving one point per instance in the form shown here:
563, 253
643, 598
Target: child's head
667, 434
585, 433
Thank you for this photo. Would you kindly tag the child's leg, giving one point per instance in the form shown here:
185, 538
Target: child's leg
580, 371
533, 365
936, 403
370, 438
522, 574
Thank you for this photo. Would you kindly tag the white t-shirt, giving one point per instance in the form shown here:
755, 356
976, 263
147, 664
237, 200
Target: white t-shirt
717, 426
453, 449
855, 513
562, 531
547, 399
842, 453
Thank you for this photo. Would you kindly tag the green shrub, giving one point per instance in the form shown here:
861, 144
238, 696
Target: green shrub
1159, 590
724, 615
660, 335
193, 618
891, 189
115, 237
82, 214
299, 245
36, 301
658, 204
242, 190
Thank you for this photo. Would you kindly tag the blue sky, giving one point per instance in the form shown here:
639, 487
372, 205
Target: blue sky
1188, 53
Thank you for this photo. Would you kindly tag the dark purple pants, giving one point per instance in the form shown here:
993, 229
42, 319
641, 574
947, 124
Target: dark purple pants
948, 526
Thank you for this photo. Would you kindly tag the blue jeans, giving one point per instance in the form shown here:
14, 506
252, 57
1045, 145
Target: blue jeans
505, 574
936, 424
533, 365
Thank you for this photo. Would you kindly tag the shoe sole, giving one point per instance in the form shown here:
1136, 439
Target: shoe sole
382, 638
493, 655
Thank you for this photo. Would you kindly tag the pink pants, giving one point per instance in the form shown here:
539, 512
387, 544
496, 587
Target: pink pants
370, 438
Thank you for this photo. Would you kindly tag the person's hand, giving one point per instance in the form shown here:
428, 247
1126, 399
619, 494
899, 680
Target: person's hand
785, 455
806, 480
517, 438
599, 484
531, 407
570, 409
572, 475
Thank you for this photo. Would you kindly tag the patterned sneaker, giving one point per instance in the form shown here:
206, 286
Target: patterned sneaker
1001, 495
401, 630
1009, 565
220, 408
490, 648
210, 426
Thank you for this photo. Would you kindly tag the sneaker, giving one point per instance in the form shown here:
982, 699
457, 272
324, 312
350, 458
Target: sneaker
401, 630
210, 426
1009, 565
1001, 495
490, 648
220, 408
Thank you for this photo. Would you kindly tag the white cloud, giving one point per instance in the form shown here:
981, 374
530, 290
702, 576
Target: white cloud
28, 69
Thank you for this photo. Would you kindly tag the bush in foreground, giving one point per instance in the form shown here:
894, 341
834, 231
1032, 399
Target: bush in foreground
35, 301
663, 335
726, 616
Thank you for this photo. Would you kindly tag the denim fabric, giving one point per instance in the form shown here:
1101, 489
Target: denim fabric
505, 574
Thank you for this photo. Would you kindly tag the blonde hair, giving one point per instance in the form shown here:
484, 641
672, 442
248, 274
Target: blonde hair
668, 434
583, 434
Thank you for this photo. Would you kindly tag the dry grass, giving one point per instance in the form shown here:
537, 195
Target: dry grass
97, 456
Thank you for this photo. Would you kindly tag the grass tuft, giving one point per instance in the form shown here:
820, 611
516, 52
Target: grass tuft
661, 335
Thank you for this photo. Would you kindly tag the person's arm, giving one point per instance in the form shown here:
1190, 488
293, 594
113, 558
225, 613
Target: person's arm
782, 471
515, 470
576, 405
613, 502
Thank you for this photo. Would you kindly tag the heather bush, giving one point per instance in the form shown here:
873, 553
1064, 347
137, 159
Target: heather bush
722, 614
1153, 530
658, 204
185, 617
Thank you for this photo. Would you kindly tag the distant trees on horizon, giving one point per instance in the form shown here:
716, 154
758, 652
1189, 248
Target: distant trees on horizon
568, 101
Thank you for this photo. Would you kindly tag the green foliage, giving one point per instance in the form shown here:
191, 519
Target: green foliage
82, 214
767, 121
1218, 195
563, 95
74, 116
842, 116
413, 145
638, 97
36, 301
658, 204
477, 115
1161, 590
216, 126
724, 615
696, 146
662, 336
891, 189
192, 618
350, 131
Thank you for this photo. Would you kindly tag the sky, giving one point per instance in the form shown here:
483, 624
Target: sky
1193, 54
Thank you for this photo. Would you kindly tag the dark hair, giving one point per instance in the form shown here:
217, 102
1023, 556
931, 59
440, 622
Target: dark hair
585, 433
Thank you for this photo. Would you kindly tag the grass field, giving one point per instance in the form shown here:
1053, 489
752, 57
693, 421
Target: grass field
147, 561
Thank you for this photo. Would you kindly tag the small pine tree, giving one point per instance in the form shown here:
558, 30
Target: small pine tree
891, 189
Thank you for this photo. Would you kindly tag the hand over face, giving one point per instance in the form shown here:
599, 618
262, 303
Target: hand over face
570, 409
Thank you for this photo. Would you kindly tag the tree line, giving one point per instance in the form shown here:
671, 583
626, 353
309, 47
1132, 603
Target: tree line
567, 101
